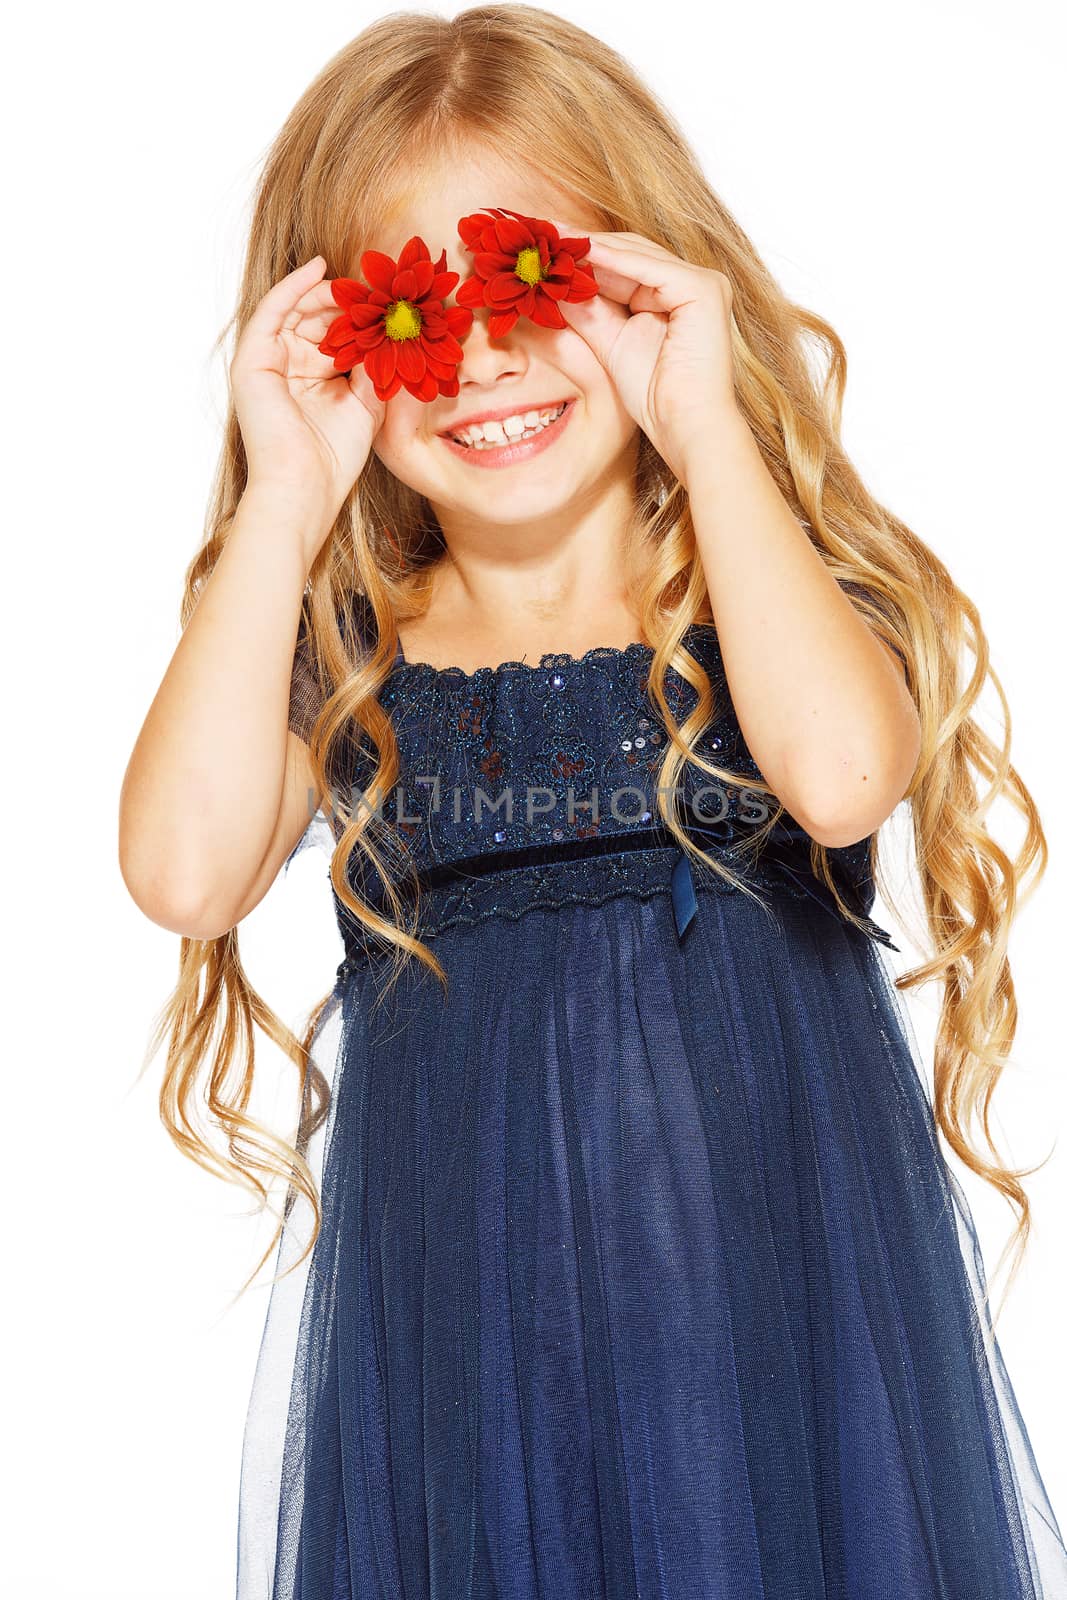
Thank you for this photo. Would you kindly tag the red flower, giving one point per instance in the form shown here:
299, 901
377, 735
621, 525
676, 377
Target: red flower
521, 269
399, 327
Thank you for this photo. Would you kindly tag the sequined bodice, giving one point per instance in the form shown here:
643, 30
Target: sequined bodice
490, 757
535, 784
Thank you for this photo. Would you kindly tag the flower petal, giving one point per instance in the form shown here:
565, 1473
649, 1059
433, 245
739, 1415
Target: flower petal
344, 357
370, 338
504, 289
348, 292
442, 285
425, 278
547, 314
469, 229
386, 391
379, 270
410, 360
502, 322
424, 389
488, 262
459, 319
515, 234
583, 285
539, 227
405, 285
381, 361
414, 250
365, 316
440, 369
339, 333
344, 340
444, 349
471, 293
576, 248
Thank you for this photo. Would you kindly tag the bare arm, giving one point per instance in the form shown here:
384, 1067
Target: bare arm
822, 702
215, 795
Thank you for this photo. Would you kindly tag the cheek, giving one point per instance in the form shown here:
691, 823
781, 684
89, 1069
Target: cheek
588, 377
603, 404
401, 441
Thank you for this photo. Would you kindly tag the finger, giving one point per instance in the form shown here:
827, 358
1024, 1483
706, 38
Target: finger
633, 293
615, 283
651, 266
269, 315
570, 230
608, 238
604, 256
312, 328
646, 282
313, 313
630, 240
598, 321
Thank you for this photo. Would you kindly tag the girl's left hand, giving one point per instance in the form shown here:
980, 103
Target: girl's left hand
661, 328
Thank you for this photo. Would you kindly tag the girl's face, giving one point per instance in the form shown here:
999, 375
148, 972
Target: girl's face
529, 369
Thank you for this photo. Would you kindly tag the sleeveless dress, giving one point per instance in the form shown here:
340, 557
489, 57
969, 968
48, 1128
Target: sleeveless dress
641, 1275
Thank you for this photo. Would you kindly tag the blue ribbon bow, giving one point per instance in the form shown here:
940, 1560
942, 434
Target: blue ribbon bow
785, 853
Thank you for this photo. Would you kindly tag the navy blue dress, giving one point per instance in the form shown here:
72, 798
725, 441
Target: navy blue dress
641, 1275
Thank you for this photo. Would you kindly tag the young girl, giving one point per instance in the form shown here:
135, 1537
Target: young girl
620, 1256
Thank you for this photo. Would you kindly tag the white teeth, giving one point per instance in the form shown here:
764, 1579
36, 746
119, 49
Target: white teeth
490, 435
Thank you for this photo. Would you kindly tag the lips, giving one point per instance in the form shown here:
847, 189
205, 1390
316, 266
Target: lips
539, 424
500, 415
520, 450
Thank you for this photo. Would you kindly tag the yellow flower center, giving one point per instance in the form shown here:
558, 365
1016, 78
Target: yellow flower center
528, 265
402, 320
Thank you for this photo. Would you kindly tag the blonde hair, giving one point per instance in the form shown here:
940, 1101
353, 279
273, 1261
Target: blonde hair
406, 89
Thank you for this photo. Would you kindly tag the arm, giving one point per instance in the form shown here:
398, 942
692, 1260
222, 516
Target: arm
216, 793
823, 703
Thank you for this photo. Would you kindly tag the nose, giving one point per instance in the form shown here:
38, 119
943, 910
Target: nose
485, 359
480, 343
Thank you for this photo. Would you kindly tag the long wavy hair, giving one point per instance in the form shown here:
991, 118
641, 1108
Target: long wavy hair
410, 86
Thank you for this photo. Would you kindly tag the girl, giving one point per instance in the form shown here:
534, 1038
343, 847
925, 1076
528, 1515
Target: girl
620, 1256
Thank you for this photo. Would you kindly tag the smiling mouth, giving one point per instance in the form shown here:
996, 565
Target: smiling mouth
494, 435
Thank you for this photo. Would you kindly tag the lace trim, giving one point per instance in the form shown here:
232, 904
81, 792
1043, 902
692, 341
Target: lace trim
550, 661
550, 886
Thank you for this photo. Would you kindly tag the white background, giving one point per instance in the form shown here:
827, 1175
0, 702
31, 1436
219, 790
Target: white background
900, 170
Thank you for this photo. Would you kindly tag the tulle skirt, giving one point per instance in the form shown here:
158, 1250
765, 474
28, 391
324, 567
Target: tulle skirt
641, 1276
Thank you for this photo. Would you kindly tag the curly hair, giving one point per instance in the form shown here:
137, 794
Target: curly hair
426, 86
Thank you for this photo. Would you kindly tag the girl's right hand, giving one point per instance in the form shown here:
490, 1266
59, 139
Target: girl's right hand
307, 429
